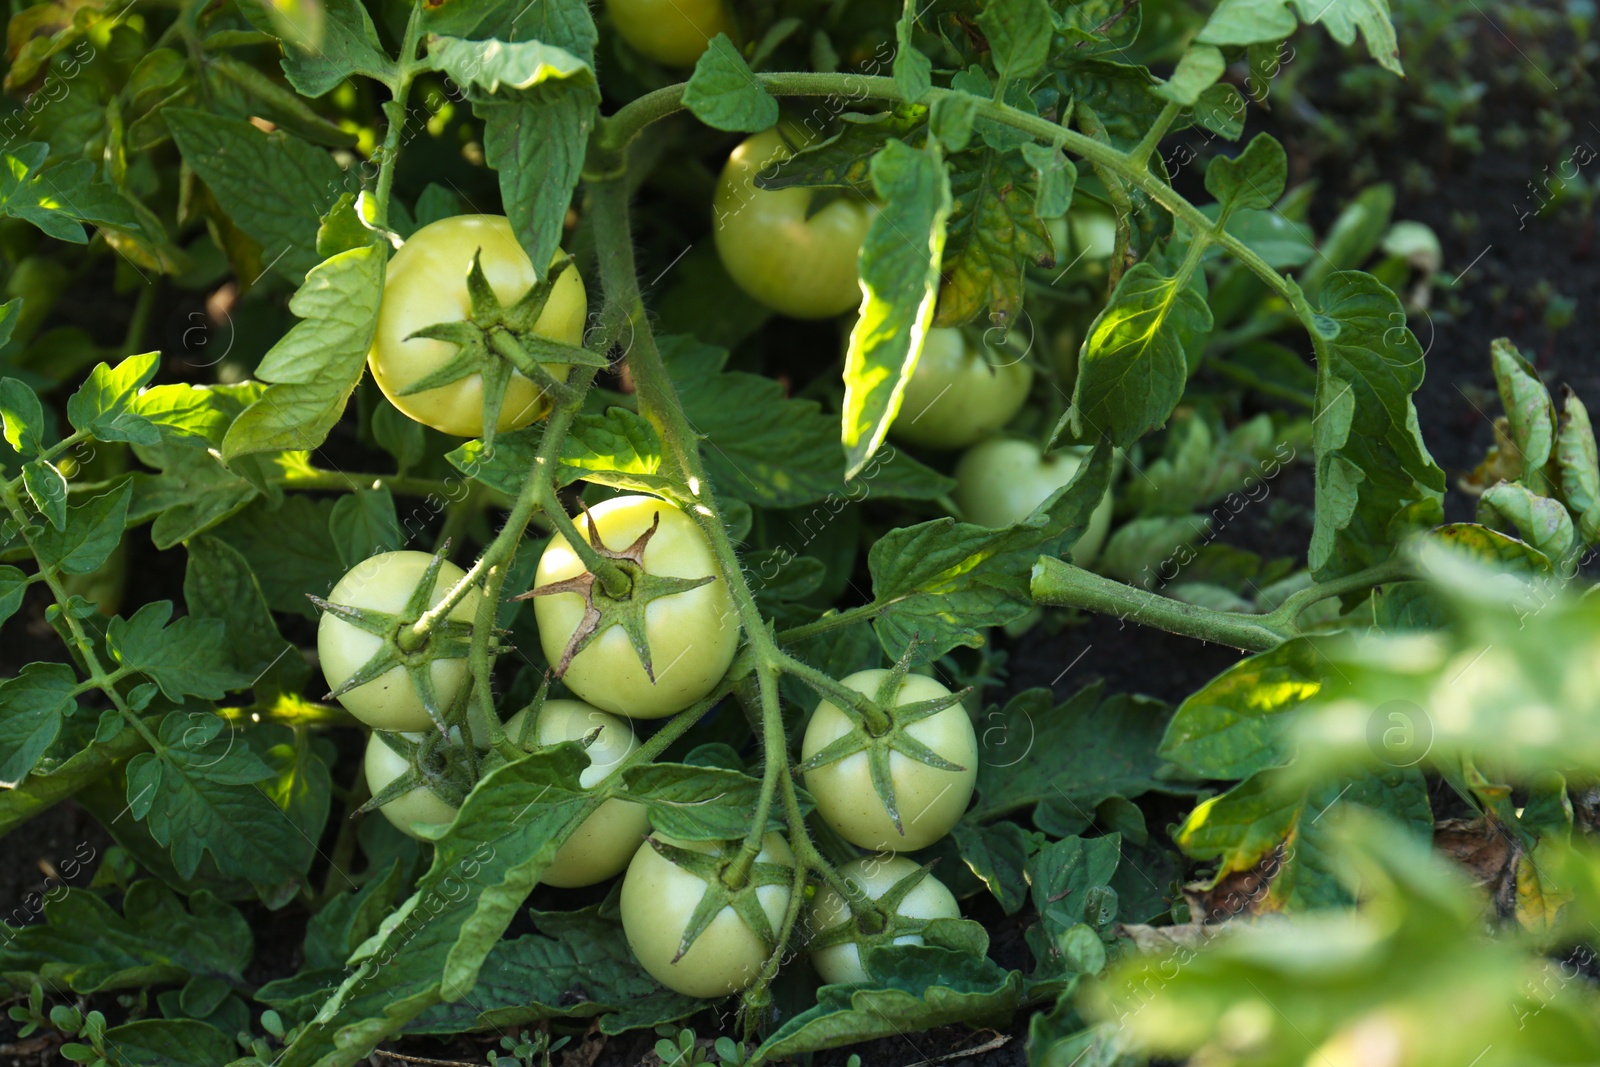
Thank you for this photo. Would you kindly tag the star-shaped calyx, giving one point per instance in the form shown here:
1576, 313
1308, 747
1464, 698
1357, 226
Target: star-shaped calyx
495, 341
402, 646
433, 762
711, 866
603, 611
885, 927
893, 737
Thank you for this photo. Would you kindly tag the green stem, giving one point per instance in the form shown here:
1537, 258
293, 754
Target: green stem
400, 88
872, 717
611, 577
1058, 583
847, 617
140, 319
1140, 156
99, 677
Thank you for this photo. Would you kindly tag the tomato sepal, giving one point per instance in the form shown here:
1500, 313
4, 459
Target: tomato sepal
709, 868
603, 611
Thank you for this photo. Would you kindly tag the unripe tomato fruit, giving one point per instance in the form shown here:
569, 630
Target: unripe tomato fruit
876, 875
961, 391
426, 284
671, 32
658, 899
804, 267
692, 635
603, 844
384, 583
1000, 481
930, 800
420, 807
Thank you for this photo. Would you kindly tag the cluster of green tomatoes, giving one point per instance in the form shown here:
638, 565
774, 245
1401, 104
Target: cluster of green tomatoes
471, 340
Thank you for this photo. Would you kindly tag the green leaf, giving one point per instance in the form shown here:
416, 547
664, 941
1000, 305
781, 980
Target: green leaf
289, 549
85, 946
1019, 33
900, 262
913, 71
364, 523
193, 493
92, 532
577, 966
32, 706
432, 949
1221, 110
845, 159
620, 449
1244, 826
565, 24
1135, 362
764, 448
1543, 523
536, 125
13, 584
943, 582
22, 415
316, 365
183, 658
1235, 725
185, 412
101, 405
1070, 884
60, 199
1371, 463
1529, 409
1577, 457
48, 491
171, 1043
994, 233
997, 854
1198, 70
951, 119
219, 585
1244, 22
1352, 238
725, 95
918, 987
1254, 179
274, 186
1064, 759
696, 803
1056, 178
315, 64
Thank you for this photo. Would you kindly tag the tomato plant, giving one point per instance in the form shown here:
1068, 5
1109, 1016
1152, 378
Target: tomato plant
458, 588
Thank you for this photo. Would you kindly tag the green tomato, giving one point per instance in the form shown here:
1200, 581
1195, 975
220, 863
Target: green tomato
672, 32
930, 800
602, 846
420, 807
384, 583
658, 900
426, 283
961, 392
875, 875
1001, 481
796, 263
692, 635
1094, 233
